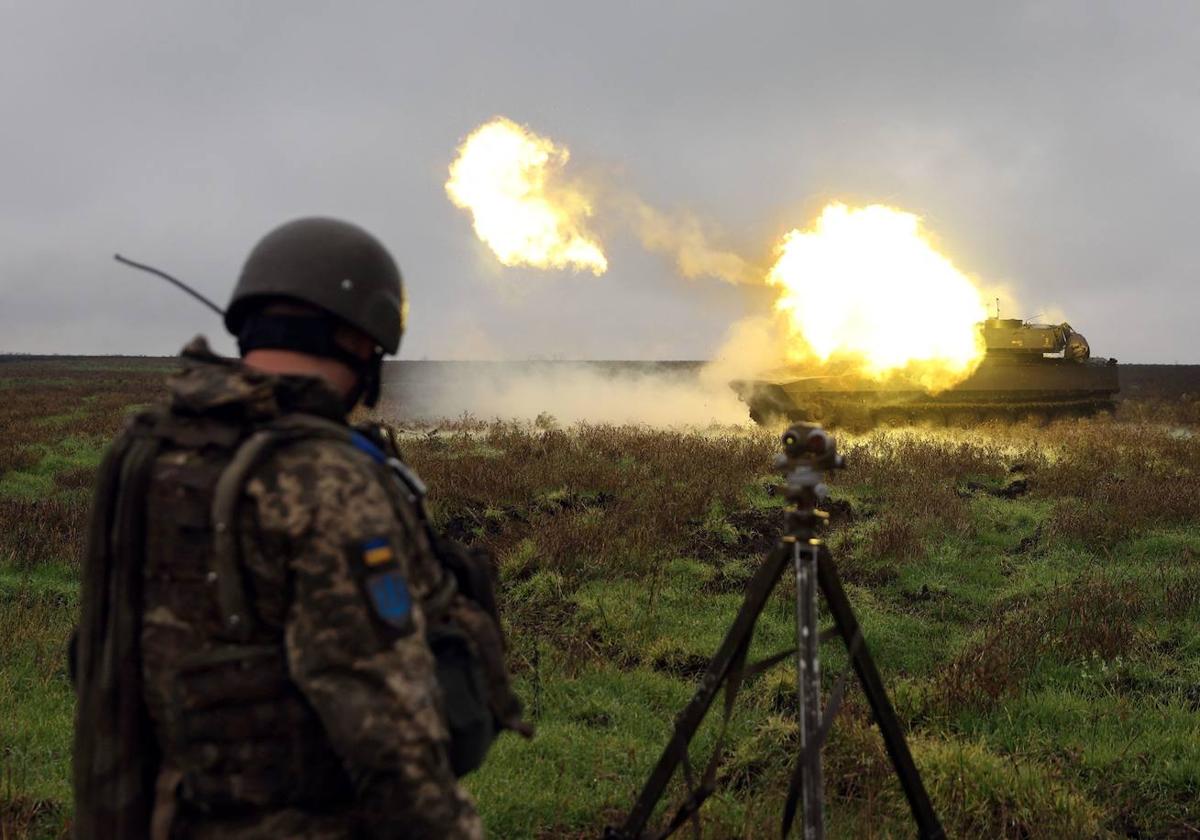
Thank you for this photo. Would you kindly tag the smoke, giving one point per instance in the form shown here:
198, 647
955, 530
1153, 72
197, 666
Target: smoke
530, 211
750, 346
662, 394
682, 237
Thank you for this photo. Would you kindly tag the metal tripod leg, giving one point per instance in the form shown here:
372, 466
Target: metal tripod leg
688, 721
881, 707
805, 557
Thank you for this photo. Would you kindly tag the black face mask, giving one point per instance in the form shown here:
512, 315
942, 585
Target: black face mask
314, 336
368, 385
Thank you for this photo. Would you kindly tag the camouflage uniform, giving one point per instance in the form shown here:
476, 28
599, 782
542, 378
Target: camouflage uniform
326, 720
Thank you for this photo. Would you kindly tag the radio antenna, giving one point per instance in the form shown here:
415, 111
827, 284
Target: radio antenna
179, 284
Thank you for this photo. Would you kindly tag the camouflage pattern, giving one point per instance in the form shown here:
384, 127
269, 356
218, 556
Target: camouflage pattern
328, 721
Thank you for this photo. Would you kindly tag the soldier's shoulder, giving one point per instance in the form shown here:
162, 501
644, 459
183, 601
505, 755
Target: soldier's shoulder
351, 451
305, 476
320, 460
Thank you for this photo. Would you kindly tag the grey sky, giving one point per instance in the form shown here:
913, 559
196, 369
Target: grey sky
1054, 147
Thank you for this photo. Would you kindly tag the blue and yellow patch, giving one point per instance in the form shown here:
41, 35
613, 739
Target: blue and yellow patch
384, 585
377, 552
391, 599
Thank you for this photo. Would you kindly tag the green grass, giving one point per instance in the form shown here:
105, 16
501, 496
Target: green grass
1138, 754
1031, 595
671, 622
37, 611
54, 458
594, 728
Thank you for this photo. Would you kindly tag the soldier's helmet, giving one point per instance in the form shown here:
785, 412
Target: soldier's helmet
330, 264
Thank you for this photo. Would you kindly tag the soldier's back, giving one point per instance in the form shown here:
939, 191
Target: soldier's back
243, 753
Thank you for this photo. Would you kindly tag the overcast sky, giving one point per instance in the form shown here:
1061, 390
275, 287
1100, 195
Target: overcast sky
1054, 147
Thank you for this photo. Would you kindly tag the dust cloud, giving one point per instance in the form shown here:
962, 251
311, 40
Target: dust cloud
750, 346
659, 394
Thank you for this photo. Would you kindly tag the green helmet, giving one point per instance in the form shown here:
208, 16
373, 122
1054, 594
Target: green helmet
330, 264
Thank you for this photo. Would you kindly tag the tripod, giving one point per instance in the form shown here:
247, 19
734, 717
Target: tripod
808, 453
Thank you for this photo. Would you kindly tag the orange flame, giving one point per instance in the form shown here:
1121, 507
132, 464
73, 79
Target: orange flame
510, 179
865, 285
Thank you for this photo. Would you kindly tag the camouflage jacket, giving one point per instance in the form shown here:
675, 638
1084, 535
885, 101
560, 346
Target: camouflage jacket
325, 719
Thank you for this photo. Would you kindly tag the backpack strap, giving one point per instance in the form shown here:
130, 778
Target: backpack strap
237, 617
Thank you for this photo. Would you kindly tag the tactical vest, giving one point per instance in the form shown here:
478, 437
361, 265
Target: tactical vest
232, 727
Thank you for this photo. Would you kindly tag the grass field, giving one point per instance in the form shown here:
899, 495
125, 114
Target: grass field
1031, 594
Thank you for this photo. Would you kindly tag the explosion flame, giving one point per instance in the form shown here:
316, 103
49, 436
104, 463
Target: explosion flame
510, 179
865, 285
861, 290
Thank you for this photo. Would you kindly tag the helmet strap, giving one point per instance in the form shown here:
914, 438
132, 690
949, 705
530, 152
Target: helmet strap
370, 379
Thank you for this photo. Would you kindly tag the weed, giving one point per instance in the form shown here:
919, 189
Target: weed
1091, 617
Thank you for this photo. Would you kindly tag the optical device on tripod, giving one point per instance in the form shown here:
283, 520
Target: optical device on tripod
808, 454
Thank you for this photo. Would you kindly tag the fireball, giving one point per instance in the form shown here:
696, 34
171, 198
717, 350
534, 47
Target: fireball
865, 286
511, 181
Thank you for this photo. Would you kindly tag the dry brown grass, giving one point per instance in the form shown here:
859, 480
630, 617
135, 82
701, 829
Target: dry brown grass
1181, 411
1138, 474
40, 399
1093, 616
43, 405
35, 531
22, 819
595, 501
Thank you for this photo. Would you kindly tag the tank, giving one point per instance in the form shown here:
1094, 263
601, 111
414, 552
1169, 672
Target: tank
1030, 370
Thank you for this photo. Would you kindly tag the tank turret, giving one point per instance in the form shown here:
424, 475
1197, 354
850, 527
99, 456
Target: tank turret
1014, 336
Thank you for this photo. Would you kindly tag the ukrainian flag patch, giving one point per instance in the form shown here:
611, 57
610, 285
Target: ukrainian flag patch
377, 552
391, 599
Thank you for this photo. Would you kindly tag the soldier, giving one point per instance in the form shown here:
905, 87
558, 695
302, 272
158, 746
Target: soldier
273, 642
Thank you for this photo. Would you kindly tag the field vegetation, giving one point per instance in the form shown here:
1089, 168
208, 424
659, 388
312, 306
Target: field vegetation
1030, 592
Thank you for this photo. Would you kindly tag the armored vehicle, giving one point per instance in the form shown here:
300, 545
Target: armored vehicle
1029, 371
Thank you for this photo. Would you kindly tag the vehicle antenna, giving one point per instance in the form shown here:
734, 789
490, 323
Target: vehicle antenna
179, 284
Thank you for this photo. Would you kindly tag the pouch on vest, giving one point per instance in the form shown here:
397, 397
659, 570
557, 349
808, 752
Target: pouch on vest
479, 617
468, 714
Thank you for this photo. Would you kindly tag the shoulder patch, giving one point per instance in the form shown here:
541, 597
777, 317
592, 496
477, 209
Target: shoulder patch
390, 599
384, 585
377, 552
